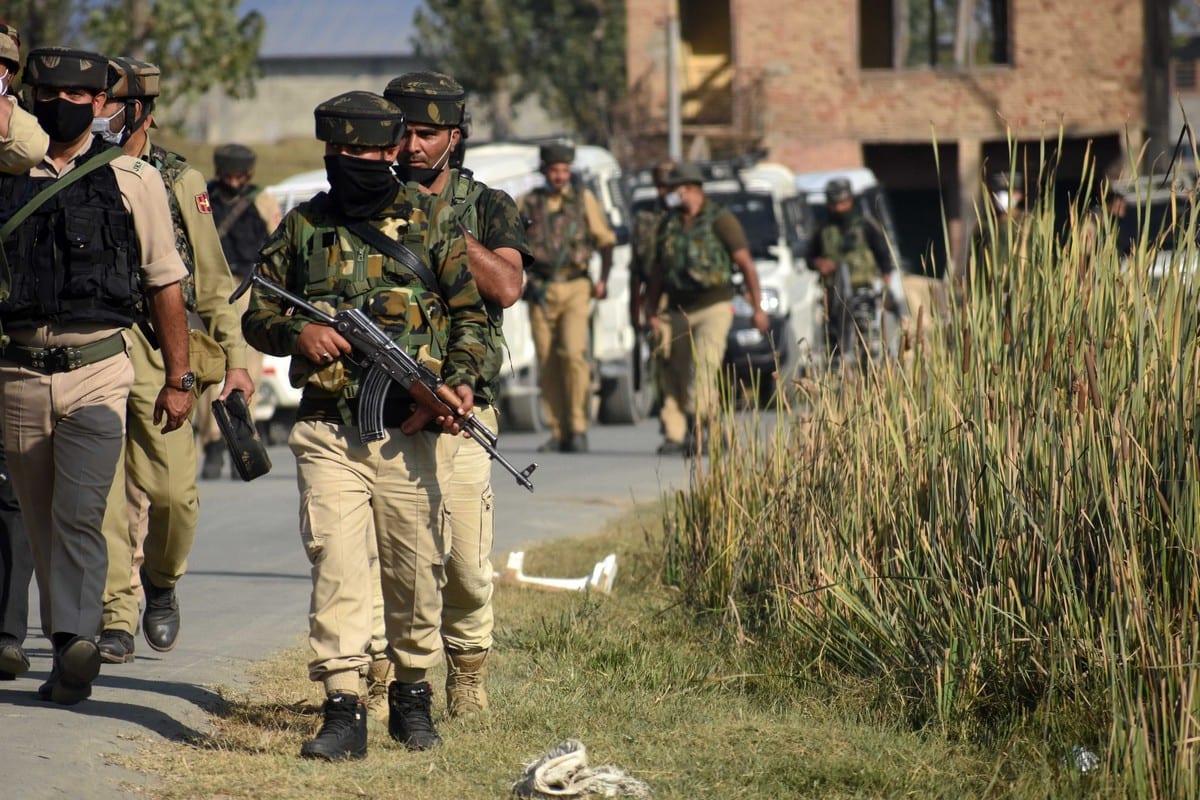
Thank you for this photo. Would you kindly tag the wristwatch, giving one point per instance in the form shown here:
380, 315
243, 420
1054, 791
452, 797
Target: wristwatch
184, 382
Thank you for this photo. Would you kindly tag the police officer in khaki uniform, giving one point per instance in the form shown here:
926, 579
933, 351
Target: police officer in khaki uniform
566, 225
22, 146
434, 105
390, 489
245, 215
80, 264
159, 470
22, 142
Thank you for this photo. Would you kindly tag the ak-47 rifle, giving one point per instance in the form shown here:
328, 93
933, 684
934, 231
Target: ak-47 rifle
386, 363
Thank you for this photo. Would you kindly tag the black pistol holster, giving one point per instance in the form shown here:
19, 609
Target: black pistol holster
233, 417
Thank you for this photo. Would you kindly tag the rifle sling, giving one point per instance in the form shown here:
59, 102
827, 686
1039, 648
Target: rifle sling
390, 247
235, 213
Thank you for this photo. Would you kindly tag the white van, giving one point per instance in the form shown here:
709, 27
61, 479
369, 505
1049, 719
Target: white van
514, 168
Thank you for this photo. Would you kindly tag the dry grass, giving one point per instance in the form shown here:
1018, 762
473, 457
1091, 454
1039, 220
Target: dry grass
634, 676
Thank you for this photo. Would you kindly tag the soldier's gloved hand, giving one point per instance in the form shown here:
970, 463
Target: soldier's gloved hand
236, 379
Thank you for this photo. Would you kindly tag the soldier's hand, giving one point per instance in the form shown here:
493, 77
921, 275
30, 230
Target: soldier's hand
237, 379
825, 266
761, 322
466, 405
321, 344
173, 404
600, 290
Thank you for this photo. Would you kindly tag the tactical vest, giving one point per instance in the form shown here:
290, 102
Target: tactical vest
77, 257
560, 242
463, 199
336, 270
247, 233
849, 245
172, 166
694, 260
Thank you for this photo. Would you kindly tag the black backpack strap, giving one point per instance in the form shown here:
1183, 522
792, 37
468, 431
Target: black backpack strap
390, 247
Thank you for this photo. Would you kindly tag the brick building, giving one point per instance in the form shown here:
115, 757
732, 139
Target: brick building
826, 84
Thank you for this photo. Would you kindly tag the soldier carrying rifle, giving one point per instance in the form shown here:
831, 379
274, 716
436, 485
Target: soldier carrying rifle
329, 251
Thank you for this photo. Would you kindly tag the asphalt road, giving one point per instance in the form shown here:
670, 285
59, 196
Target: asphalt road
246, 597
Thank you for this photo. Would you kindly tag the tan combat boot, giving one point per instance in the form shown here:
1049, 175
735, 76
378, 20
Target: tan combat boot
465, 695
379, 674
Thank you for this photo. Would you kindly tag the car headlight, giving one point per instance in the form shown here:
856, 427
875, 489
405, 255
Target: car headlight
771, 301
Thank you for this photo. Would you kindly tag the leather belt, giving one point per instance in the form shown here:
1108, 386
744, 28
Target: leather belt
50, 360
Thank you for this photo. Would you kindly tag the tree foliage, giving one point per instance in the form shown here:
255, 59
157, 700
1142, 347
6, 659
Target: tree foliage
569, 53
198, 44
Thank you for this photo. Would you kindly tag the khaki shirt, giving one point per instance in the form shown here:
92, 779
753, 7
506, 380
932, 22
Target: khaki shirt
145, 197
213, 280
598, 227
26, 143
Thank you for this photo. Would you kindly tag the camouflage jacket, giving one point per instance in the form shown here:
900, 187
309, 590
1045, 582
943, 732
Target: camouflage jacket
694, 260
172, 166
561, 241
647, 228
490, 215
314, 255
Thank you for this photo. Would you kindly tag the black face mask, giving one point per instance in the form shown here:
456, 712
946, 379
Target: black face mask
62, 120
422, 175
359, 187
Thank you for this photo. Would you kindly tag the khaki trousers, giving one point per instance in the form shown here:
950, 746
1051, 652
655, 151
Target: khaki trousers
63, 435
467, 598
560, 336
162, 469
391, 489
693, 349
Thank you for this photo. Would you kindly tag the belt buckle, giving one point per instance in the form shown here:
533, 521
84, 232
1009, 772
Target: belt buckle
58, 359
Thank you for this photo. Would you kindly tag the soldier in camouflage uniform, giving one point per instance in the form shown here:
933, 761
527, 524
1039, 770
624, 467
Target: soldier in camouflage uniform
644, 261
434, 110
153, 507
391, 489
566, 225
699, 244
851, 252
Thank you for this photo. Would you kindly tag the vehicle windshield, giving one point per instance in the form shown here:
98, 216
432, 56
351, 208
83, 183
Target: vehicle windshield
756, 212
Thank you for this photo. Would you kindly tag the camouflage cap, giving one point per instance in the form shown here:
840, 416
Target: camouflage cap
661, 171
360, 118
556, 153
10, 46
233, 158
684, 173
63, 68
129, 77
1004, 182
837, 190
432, 98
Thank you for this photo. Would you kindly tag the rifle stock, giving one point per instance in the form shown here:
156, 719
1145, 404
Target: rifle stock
387, 363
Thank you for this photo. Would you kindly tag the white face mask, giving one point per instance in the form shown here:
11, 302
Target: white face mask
103, 127
672, 200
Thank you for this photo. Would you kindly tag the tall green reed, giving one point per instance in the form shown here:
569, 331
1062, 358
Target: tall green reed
1001, 526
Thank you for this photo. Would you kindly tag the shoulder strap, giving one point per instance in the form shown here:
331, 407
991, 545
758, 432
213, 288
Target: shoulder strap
235, 213
105, 156
390, 247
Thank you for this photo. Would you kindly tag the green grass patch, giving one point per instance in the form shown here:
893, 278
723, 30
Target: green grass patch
640, 680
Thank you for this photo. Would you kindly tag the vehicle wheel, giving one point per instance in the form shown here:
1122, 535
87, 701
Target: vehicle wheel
620, 403
523, 412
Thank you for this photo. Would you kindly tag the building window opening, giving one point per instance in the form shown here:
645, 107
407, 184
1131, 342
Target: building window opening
937, 34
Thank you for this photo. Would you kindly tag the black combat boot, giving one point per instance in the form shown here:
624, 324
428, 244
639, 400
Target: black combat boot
76, 665
116, 647
410, 720
214, 460
13, 661
160, 622
343, 735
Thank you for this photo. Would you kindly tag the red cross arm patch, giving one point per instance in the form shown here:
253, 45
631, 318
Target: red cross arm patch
202, 204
